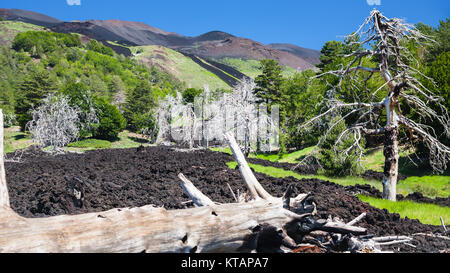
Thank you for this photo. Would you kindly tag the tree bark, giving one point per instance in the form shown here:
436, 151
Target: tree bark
390, 174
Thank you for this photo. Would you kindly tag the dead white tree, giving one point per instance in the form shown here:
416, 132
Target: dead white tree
241, 102
403, 88
55, 123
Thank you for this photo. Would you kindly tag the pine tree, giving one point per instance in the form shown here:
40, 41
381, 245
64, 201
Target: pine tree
139, 101
30, 93
268, 84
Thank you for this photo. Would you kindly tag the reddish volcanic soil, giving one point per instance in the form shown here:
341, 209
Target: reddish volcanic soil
38, 187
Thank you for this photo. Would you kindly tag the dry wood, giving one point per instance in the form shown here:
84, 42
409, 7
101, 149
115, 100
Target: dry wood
357, 219
194, 194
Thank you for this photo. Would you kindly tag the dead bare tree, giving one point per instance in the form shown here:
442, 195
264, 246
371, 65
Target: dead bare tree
55, 123
404, 89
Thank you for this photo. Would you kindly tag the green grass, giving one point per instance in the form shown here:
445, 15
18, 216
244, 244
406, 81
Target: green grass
222, 150
251, 68
125, 140
129, 140
182, 67
9, 30
91, 143
431, 186
425, 213
281, 173
293, 157
374, 160
15, 140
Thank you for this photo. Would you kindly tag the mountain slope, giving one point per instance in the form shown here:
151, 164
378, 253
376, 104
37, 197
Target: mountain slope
213, 46
243, 48
9, 30
181, 66
28, 17
309, 55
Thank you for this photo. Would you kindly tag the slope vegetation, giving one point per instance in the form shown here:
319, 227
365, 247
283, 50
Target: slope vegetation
9, 30
179, 65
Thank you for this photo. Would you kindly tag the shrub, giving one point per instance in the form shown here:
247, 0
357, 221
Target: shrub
190, 94
146, 125
332, 158
79, 96
99, 47
39, 42
111, 121
9, 118
140, 101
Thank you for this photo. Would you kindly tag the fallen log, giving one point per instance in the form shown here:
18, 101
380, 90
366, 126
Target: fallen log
257, 225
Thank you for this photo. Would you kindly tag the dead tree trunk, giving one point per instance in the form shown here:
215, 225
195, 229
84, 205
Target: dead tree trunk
234, 227
390, 151
4, 196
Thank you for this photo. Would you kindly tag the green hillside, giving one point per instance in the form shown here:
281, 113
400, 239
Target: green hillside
251, 68
9, 30
180, 66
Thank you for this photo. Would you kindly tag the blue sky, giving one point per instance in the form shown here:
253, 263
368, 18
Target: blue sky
307, 23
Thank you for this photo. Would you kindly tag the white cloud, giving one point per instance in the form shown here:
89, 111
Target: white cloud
373, 2
73, 2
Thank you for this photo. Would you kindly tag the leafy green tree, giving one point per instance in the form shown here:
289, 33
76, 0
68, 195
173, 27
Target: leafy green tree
96, 85
80, 97
442, 38
190, 94
269, 83
439, 72
115, 86
332, 53
333, 162
99, 47
111, 121
139, 101
146, 124
30, 93
302, 96
39, 42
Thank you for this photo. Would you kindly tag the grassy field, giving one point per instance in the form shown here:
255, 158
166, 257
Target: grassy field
281, 173
251, 68
9, 30
425, 213
14, 140
126, 140
178, 65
